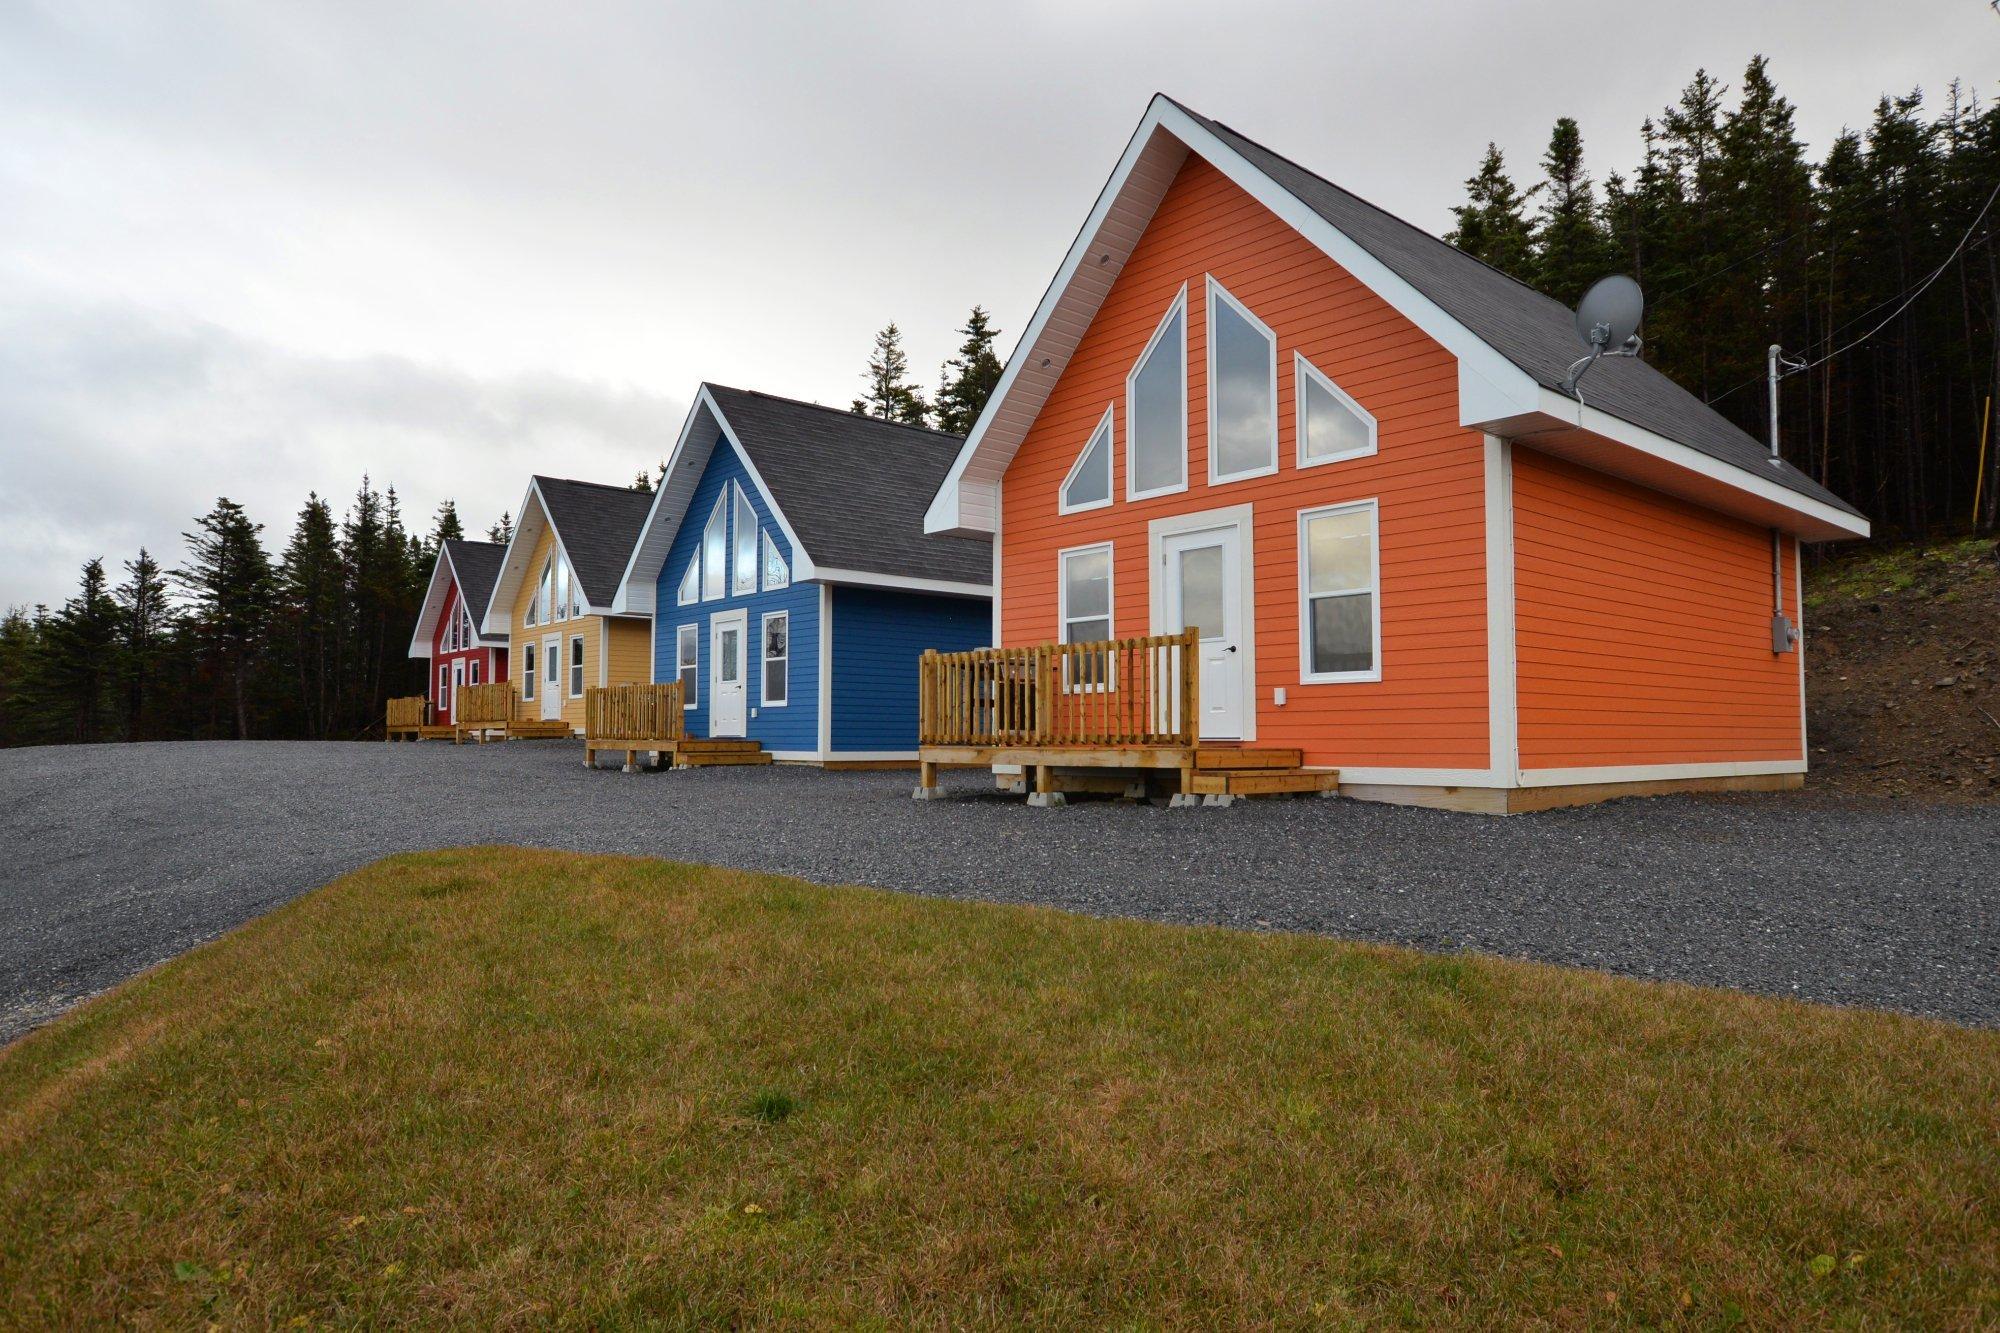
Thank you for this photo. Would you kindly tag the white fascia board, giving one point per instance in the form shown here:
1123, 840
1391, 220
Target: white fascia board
944, 513
642, 571
1566, 412
420, 637
902, 583
510, 577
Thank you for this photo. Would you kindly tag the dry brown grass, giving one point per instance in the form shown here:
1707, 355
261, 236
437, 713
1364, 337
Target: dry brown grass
497, 1087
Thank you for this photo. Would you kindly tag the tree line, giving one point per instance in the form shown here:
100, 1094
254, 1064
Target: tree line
1741, 240
237, 640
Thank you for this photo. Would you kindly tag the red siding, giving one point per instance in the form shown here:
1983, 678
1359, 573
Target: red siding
492, 661
1644, 627
1429, 709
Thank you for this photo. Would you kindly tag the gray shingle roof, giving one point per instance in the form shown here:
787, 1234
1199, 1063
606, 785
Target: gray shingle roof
599, 525
1533, 331
855, 488
477, 565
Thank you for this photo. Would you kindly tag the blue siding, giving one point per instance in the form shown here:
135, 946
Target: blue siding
877, 638
794, 725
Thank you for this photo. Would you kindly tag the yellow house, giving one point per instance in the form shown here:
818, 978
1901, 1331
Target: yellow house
552, 602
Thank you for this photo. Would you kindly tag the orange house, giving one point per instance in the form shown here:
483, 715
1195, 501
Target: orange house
1254, 404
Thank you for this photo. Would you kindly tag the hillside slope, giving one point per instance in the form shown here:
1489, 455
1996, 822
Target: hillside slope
1903, 672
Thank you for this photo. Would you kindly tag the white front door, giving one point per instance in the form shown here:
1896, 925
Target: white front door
1204, 590
457, 684
551, 683
728, 656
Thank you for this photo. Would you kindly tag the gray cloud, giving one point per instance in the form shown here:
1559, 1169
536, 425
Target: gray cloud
254, 249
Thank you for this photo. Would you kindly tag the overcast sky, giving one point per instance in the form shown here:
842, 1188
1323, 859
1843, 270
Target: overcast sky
262, 248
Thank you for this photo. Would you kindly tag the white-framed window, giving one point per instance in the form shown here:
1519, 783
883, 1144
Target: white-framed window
529, 616
1156, 410
528, 673
690, 589
715, 550
1088, 485
576, 602
444, 686
1340, 603
562, 588
1331, 425
777, 573
1242, 390
745, 571
1083, 597
466, 633
472, 672
576, 666
687, 662
777, 658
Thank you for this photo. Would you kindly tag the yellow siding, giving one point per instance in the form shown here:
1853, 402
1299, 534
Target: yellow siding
629, 639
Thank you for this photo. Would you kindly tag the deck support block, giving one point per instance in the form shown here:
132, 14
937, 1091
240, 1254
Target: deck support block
1047, 800
927, 794
1221, 801
1181, 800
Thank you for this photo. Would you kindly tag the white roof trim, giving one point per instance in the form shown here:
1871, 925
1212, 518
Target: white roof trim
420, 638
511, 571
637, 590
902, 582
1493, 391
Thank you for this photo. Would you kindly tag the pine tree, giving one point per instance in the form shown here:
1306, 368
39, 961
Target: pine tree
20, 645
647, 482
145, 631
228, 581
890, 394
445, 527
76, 667
311, 584
969, 378
502, 532
1493, 222
1571, 248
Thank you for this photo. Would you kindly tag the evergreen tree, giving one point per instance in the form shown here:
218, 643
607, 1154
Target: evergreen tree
228, 581
1493, 222
1571, 248
445, 527
20, 645
502, 532
648, 482
145, 633
969, 378
312, 621
76, 668
890, 394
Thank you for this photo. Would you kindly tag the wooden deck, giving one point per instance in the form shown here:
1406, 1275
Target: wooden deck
1116, 716
649, 719
405, 718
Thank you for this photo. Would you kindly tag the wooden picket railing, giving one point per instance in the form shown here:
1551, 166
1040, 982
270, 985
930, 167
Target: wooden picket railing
616, 715
1113, 692
483, 706
407, 714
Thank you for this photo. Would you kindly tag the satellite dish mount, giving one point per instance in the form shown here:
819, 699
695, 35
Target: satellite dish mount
1607, 322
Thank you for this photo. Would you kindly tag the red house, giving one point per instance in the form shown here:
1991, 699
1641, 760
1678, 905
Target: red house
448, 627
1346, 459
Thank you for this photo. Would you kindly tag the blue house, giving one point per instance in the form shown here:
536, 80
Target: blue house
791, 586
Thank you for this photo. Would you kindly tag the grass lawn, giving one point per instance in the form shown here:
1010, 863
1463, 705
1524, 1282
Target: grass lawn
498, 1087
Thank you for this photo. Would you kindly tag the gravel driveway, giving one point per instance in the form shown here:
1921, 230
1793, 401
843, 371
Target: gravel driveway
121, 856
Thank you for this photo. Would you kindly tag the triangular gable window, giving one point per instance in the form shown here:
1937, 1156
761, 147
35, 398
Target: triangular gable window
715, 551
777, 574
1331, 425
1088, 485
1156, 410
745, 580
1242, 390
690, 590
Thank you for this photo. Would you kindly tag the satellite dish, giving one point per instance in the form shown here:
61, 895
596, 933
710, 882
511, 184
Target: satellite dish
1609, 314
1607, 322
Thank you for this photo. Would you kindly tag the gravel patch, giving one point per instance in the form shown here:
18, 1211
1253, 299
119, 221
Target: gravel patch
122, 856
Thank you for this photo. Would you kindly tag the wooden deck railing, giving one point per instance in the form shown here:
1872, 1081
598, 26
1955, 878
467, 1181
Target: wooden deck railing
616, 714
483, 706
1111, 692
408, 713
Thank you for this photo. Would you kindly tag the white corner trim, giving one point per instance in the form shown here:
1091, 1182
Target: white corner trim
825, 668
1175, 307
1217, 293
1799, 648
902, 583
1503, 714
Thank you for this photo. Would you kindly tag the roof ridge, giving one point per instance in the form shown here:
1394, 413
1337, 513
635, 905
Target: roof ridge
842, 411
595, 485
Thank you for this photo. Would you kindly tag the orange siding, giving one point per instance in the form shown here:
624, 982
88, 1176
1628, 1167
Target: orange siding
1429, 709
1644, 627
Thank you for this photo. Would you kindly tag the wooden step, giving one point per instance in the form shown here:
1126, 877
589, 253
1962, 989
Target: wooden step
720, 758
717, 745
538, 730
1264, 783
1243, 757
